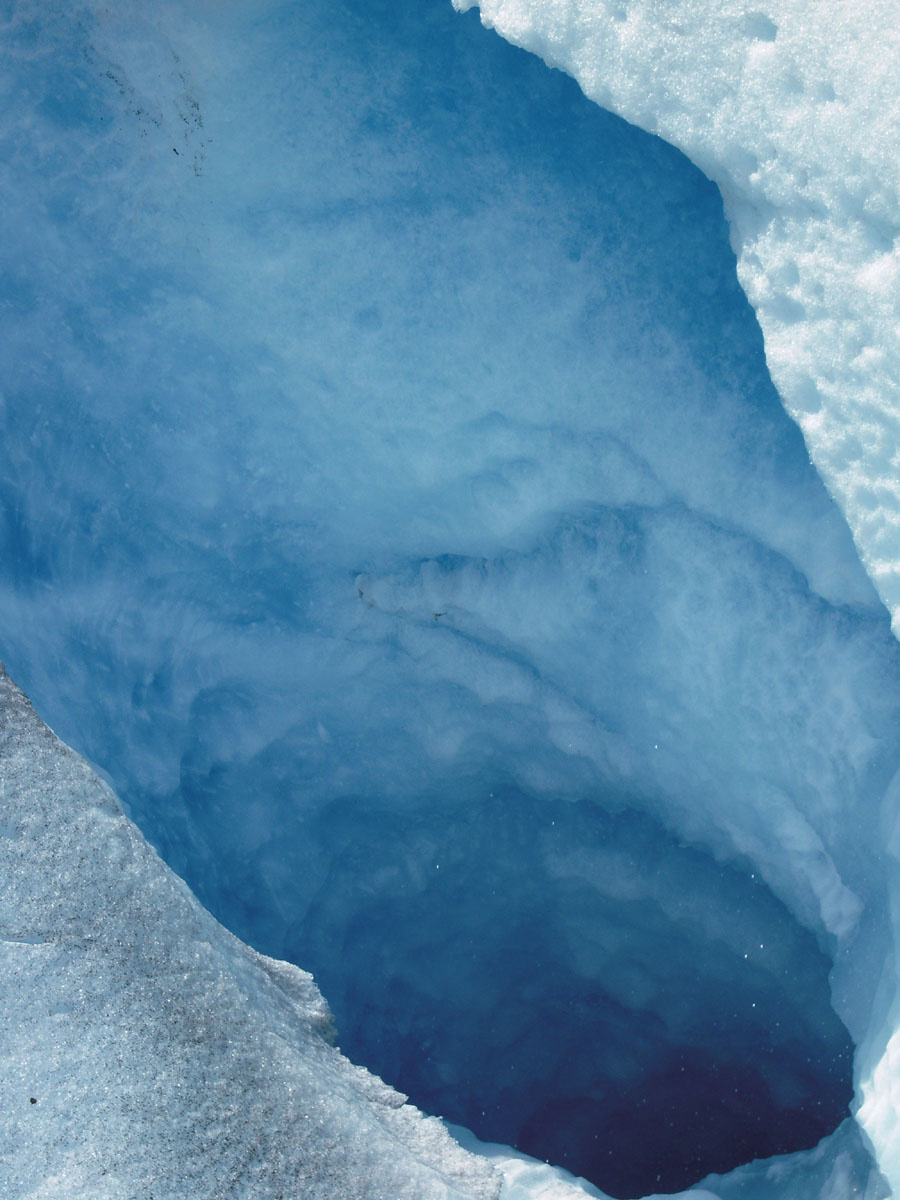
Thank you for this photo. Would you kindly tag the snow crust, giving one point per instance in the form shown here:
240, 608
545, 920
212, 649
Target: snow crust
148, 1053
397, 509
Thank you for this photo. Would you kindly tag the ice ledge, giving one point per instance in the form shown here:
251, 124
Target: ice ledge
145, 1050
791, 108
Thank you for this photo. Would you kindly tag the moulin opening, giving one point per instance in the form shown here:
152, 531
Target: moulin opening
432, 320
571, 980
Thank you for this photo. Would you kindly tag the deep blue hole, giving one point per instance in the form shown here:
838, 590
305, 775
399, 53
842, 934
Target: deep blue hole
485, 960
491, 272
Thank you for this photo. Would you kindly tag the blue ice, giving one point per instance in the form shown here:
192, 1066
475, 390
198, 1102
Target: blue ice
397, 508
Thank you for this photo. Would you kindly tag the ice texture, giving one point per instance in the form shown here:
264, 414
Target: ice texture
839, 1168
398, 510
146, 1052
792, 109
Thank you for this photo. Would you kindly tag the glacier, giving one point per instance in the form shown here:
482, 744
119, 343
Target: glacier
399, 514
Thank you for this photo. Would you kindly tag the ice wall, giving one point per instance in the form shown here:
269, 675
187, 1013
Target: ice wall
397, 508
792, 109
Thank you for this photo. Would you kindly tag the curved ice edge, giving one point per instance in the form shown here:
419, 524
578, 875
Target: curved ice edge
791, 111
148, 1052
839, 1168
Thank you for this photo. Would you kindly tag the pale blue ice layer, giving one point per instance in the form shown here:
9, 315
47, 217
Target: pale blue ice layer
396, 506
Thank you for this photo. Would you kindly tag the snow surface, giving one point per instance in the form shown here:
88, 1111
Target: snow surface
397, 508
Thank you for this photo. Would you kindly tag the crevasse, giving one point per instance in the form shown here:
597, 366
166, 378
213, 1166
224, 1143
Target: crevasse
397, 509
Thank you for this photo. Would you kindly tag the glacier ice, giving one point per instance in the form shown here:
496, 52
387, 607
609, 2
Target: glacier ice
398, 510
792, 111
146, 1051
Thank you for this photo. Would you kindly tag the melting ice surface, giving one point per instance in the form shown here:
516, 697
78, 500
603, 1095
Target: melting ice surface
398, 509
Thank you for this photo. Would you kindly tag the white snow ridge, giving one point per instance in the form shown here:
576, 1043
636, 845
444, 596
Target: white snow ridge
403, 509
